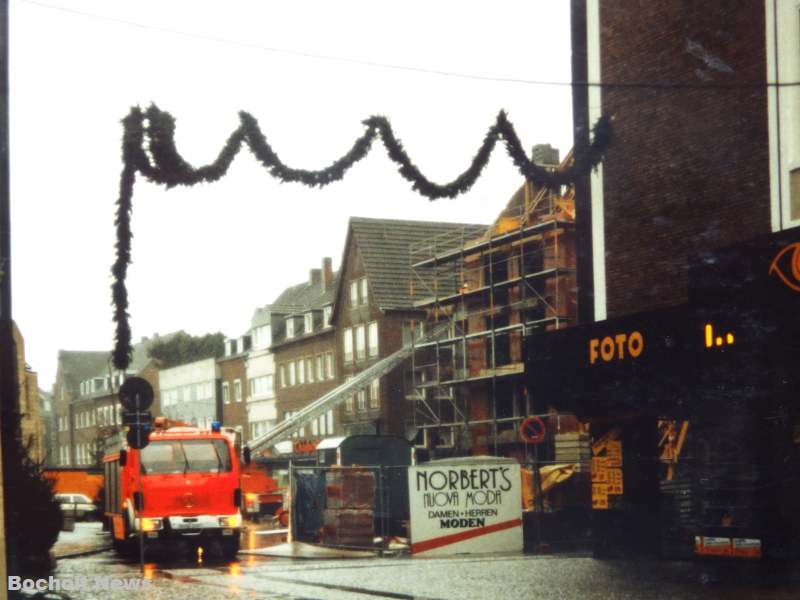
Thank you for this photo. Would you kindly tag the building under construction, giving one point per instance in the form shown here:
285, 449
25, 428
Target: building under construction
482, 296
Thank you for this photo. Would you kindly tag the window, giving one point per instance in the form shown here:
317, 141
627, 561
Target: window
375, 393
349, 403
794, 193
308, 322
282, 374
329, 374
354, 293
291, 373
327, 311
347, 344
444, 438
262, 337
314, 428
118, 414
261, 386
289, 328
301, 372
329, 419
226, 397
364, 297
361, 351
310, 369
320, 367
373, 339
362, 399
237, 390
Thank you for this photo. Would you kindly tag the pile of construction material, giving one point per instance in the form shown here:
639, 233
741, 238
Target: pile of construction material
573, 448
349, 517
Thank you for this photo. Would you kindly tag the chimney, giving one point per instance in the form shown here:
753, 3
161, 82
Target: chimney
545, 155
327, 273
315, 277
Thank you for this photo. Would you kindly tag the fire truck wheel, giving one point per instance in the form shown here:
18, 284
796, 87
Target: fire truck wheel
124, 548
230, 548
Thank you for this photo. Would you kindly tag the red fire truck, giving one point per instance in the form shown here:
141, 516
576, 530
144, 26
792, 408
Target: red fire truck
190, 490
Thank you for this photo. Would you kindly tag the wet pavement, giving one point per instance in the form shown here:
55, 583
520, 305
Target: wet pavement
86, 537
513, 576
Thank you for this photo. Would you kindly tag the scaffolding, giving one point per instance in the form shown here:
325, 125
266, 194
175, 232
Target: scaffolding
486, 294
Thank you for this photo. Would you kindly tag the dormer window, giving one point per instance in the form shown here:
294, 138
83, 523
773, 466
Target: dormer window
308, 322
289, 328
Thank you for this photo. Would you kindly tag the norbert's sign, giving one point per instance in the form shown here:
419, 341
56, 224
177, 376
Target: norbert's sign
465, 506
617, 347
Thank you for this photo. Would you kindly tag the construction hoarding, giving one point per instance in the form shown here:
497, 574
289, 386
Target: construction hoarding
463, 507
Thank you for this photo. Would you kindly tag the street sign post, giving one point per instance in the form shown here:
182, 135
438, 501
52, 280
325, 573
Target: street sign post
136, 397
136, 394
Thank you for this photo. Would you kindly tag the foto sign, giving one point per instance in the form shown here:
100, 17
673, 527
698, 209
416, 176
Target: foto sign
460, 507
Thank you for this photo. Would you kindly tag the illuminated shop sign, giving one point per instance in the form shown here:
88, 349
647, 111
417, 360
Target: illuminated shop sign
618, 347
790, 254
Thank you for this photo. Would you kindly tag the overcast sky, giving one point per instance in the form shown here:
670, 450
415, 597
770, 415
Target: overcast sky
205, 257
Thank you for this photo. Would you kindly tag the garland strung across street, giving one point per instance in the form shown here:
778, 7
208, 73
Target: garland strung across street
160, 162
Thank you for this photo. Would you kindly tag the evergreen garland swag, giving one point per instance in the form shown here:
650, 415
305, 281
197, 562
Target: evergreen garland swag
160, 162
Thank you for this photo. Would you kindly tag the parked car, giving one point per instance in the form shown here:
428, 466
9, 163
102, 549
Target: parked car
78, 506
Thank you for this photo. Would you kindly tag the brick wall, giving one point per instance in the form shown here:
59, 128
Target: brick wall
394, 409
234, 414
688, 169
293, 398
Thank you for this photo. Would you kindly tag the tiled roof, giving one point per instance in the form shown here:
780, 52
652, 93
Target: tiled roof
304, 296
385, 247
79, 365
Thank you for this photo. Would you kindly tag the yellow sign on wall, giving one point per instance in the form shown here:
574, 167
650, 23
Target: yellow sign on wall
607, 479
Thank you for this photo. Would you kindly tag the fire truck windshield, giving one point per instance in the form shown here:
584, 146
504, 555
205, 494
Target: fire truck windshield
164, 457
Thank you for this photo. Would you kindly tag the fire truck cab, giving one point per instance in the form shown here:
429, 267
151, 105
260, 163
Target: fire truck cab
184, 487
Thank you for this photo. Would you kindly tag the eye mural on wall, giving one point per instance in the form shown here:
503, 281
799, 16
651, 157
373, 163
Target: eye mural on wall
790, 254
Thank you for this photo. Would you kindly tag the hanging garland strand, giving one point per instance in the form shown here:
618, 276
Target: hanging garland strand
159, 161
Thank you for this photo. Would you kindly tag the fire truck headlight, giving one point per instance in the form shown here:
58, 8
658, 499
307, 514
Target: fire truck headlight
152, 524
231, 521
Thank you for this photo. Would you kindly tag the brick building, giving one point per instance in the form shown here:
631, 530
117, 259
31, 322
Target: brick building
28, 402
86, 400
233, 381
487, 290
688, 334
304, 345
373, 307
704, 153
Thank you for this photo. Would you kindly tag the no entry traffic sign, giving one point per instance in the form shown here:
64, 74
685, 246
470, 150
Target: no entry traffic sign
532, 430
136, 394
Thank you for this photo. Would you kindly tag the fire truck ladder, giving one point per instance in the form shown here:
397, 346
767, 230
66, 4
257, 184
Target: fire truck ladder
284, 430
